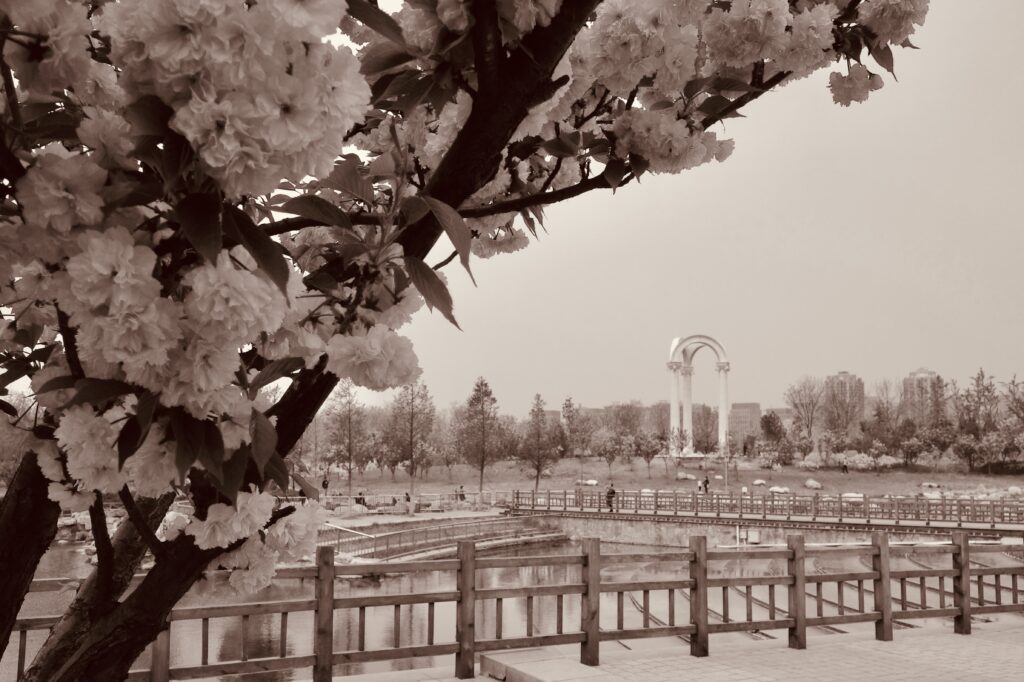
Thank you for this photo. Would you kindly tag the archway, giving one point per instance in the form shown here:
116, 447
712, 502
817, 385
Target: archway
680, 367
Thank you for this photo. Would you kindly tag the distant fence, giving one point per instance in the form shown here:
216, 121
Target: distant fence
424, 501
835, 507
407, 540
973, 589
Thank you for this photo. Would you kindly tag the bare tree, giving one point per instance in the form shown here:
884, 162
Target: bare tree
411, 423
842, 409
347, 424
805, 397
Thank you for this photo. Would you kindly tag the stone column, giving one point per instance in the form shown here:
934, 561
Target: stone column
723, 405
686, 371
673, 405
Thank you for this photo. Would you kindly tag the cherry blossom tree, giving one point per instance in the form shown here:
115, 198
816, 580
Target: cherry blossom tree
202, 198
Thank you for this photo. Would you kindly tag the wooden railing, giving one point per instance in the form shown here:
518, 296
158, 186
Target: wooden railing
424, 501
896, 509
975, 588
407, 540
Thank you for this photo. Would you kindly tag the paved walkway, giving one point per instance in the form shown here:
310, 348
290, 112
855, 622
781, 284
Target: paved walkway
994, 653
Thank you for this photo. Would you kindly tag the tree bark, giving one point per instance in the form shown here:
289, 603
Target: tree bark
74, 625
28, 524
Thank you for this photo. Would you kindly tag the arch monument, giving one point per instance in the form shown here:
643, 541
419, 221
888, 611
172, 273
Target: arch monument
680, 367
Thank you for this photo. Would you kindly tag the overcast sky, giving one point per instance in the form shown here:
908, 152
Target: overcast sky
875, 239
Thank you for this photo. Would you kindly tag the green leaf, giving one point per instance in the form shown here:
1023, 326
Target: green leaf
13, 372
414, 208
211, 454
638, 165
318, 209
347, 179
57, 384
614, 171
188, 435
200, 219
381, 58
269, 255
7, 408
695, 86
234, 473
128, 441
434, 291
455, 227
98, 391
377, 19
565, 145
713, 105
148, 115
264, 439
883, 55
277, 471
274, 371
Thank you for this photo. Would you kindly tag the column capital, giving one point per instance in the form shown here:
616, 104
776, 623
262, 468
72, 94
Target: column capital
686, 370
674, 365
722, 366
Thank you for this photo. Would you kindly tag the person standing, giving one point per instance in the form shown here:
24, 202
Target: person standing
707, 484
609, 497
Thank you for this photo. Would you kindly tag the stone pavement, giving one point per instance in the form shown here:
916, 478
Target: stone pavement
995, 652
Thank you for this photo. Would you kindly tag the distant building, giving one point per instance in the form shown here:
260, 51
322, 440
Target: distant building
745, 420
843, 400
917, 391
786, 414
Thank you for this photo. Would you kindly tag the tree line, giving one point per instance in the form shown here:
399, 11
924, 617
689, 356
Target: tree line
981, 422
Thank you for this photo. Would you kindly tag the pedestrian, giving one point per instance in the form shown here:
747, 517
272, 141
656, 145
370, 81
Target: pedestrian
462, 494
707, 484
609, 497
846, 469
325, 484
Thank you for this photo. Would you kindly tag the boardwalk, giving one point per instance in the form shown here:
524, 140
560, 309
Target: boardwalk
931, 653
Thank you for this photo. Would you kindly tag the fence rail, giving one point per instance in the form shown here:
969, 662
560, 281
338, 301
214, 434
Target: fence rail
896, 509
967, 587
424, 537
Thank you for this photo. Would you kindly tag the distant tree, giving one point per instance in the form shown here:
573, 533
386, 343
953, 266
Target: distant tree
911, 449
940, 436
478, 428
412, 421
938, 400
576, 429
805, 397
647, 446
625, 419
445, 442
966, 448
1014, 398
841, 409
540, 447
977, 406
771, 427
347, 427
705, 429
606, 445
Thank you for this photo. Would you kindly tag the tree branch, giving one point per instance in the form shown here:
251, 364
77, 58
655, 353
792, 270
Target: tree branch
292, 224
447, 260
142, 526
539, 199
70, 344
104, 553
744, 100
488, 52
9, 89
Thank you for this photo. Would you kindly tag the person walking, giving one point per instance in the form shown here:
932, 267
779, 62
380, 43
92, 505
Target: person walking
707, 484
609, 497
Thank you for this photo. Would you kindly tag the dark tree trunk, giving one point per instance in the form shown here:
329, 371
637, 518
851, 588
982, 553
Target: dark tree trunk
112, 642
68, 633
28, 523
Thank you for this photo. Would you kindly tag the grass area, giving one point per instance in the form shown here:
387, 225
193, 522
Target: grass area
633, 475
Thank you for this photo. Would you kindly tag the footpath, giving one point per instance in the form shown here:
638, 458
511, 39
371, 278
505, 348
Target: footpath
994, 652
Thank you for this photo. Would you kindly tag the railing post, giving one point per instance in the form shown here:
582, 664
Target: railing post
465, 616
962, 584
797, 593
160, 656
883, 598
814, 507
699, 595
323, 635
590, 602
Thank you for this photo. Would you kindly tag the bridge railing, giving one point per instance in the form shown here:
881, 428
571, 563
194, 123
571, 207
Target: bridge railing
776, 600
418, 537
836, 507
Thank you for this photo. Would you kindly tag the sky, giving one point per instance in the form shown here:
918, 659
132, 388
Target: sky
875, 239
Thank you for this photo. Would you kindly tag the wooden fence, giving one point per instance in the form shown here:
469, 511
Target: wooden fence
975, 588
813, 507
407, 540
